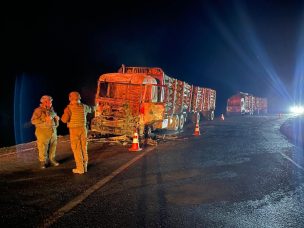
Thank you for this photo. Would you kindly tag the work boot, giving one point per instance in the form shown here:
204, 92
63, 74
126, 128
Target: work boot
85, 166
77, 171
42, 165
54, 163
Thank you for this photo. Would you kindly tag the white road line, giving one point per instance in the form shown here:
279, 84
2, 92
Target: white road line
18, 150
4, 155
78, 199
292, 161
22, 150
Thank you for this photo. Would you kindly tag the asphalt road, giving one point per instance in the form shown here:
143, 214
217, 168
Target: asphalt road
241, 172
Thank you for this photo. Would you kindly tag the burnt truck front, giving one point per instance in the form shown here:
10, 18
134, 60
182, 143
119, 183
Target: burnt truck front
125, 103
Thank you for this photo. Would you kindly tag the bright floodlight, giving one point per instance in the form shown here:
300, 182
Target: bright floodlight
297, 109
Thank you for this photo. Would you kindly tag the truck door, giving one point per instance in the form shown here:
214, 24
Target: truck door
152, 109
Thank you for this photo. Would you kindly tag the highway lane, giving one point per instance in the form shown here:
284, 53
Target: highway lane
241, 172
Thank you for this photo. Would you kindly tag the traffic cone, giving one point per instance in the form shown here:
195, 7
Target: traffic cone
222, 117
135, 143
196, 130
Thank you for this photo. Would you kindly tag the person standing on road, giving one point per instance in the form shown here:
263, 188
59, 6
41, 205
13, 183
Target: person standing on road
75, 116
46, 122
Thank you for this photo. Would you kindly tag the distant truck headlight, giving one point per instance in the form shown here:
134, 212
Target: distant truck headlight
297, 109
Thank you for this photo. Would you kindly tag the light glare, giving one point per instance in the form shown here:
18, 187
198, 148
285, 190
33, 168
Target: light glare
297, 109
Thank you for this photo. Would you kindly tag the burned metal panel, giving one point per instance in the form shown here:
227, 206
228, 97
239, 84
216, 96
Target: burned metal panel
118, 106
116, 117
152, 112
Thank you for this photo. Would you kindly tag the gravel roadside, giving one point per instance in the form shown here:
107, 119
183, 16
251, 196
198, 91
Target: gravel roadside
293, 129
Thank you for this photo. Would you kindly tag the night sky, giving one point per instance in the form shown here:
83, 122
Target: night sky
230, 46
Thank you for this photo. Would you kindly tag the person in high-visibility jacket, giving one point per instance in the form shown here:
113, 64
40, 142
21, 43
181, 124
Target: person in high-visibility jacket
75, 116
46, 122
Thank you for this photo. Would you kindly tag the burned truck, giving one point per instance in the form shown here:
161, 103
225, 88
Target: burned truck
246, 104
146, 99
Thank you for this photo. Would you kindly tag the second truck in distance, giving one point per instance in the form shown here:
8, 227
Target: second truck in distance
246, 104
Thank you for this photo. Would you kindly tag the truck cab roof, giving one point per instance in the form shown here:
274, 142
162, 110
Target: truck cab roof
128, 78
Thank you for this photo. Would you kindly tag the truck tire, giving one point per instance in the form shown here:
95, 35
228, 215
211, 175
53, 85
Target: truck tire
176, 122
197, 117
211, 115
181, 122
147, 131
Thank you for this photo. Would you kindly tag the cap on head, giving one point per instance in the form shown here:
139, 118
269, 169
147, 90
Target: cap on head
74, 96
46, 98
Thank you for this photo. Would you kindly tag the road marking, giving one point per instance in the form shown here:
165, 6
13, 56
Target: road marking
4, 155
32, 178
19, 150
292, 161
80, 198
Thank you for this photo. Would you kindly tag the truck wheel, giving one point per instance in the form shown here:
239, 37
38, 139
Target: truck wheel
198, 117
195, 117
181, 121
211, 115
148, 131
175, 124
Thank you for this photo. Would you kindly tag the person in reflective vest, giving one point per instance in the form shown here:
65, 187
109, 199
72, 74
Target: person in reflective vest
46, 122
75, 116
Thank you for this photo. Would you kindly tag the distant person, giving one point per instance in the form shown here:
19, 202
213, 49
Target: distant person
75, 115
46, 122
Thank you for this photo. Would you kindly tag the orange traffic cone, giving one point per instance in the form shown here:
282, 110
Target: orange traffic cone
135, 143
222, 117
196, 130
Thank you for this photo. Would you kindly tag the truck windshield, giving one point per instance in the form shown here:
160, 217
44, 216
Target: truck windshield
113, 90
124, 91
103, 88
149, 93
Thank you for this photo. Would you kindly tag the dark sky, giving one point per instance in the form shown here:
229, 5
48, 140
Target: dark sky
230, 46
